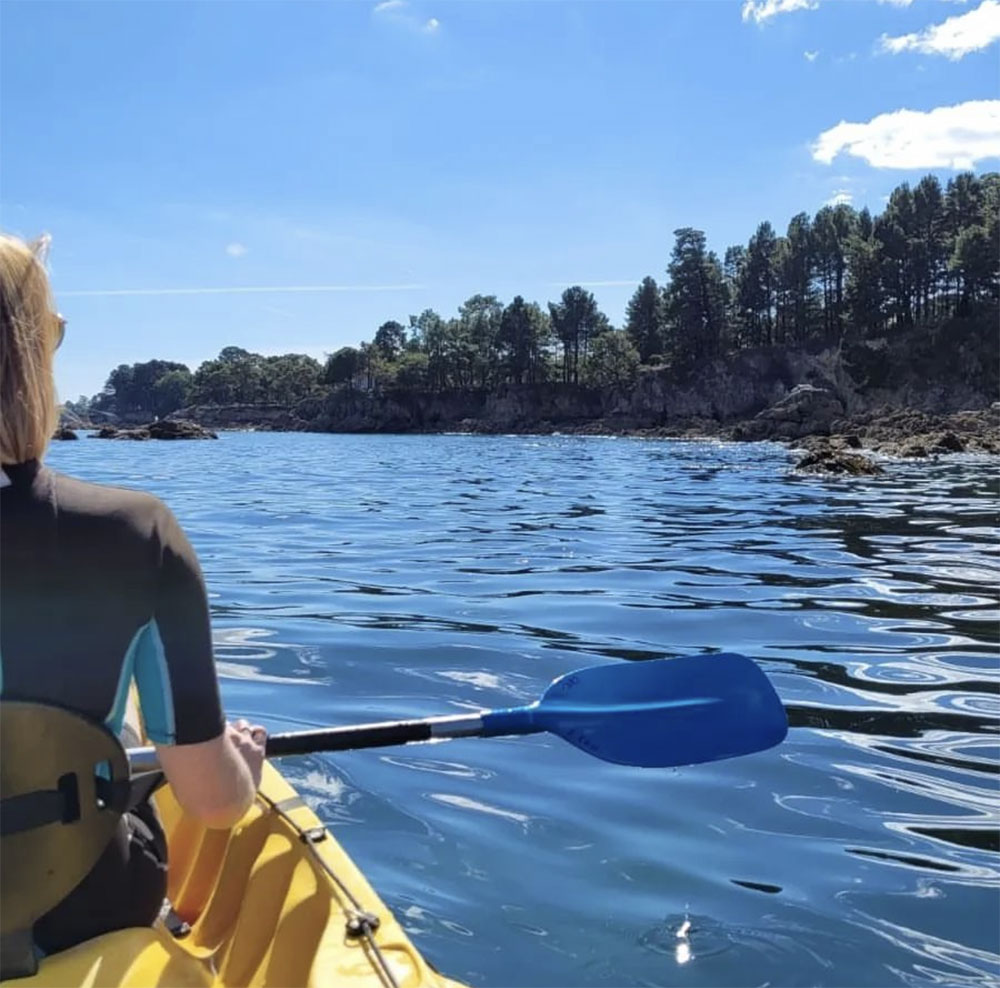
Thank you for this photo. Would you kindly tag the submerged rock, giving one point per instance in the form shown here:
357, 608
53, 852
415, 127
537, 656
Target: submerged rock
64, 432
832, 457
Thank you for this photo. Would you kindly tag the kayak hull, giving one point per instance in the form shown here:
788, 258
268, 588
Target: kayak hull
276, 901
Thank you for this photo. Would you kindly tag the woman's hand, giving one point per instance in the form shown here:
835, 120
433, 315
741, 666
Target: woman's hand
215, 781
249, 740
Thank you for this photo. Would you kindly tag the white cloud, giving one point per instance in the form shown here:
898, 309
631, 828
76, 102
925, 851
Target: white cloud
842, 197
766, 9
946, 137
399, 12
235, 250
953, 38
897, 3
810, 56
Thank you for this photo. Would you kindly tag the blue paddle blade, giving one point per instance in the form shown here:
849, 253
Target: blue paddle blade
658, 713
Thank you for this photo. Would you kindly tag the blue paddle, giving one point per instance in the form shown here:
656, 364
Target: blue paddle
658, 713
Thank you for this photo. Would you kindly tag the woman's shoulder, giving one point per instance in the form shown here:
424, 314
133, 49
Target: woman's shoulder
117, 506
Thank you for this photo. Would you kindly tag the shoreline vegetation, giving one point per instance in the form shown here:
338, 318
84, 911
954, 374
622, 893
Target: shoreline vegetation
877, 332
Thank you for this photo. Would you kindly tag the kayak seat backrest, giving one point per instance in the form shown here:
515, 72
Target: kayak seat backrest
64, 784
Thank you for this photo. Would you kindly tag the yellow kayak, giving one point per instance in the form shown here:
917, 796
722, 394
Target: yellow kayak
276, 901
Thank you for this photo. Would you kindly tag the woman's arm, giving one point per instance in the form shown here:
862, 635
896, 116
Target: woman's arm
214, 781
213, 767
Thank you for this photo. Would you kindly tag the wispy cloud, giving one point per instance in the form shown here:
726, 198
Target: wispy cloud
235, 250
238, 290
946, 137
399, 12
810, 56
842, 197
954, 38
764, 10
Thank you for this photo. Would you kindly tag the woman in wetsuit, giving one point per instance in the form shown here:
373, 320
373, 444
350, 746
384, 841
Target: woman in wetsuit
100, 588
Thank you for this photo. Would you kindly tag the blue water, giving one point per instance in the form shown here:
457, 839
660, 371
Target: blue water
359, 578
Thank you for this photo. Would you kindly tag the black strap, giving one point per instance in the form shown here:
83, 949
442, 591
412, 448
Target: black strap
44, 806
62, 804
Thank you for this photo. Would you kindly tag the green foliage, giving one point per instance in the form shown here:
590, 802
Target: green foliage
411, 371
239, 377
796, 295
864, 298
390, 338
932, 258
131, 389
695, 300
613, 361
644, 319
172, 391
522, 338
342, 366
288, 378
576, 320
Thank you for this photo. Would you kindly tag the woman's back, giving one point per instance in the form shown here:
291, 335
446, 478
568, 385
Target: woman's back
99, 585
99, 588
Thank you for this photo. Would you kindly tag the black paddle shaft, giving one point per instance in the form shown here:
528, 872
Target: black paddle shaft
385, 734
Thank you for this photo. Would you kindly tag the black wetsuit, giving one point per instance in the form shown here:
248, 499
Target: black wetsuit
99, 587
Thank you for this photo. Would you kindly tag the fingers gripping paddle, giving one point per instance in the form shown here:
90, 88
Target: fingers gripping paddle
655, 714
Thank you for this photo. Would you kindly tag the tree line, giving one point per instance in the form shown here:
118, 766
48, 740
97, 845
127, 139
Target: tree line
839, 276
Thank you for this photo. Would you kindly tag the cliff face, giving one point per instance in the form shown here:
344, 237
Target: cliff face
946, 370
511, 408
722, 391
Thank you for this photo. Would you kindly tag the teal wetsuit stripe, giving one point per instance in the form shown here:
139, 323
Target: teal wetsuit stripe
116, 717
155, 694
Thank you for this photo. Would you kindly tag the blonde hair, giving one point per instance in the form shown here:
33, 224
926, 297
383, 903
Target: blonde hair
29, 335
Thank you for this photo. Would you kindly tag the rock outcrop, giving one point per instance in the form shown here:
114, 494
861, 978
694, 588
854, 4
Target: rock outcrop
161, 429
833, 455
918, 434
805, 411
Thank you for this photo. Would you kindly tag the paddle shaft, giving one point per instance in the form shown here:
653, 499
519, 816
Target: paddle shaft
657, 714
352, 737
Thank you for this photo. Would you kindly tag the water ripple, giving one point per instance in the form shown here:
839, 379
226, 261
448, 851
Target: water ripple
362, 578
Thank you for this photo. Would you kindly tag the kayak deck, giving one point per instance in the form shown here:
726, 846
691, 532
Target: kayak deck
276, 901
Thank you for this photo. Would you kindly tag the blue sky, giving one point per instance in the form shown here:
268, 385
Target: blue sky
410, 154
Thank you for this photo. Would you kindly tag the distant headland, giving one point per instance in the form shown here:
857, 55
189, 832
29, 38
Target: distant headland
876, 329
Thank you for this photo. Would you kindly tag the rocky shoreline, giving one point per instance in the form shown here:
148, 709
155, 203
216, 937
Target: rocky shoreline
161, 429
845, 445
914, 395
841, 445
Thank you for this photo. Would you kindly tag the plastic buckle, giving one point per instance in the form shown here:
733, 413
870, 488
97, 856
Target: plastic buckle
314, 835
